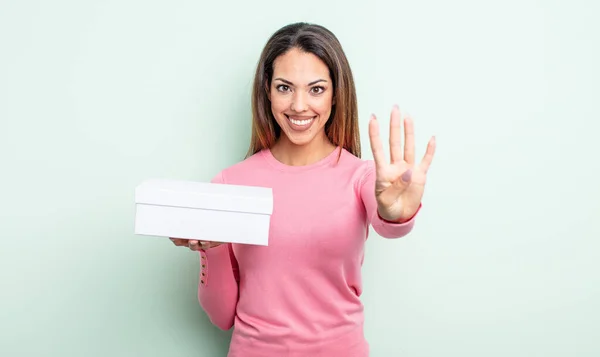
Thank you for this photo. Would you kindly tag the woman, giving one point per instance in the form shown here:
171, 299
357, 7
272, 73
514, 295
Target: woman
300, 296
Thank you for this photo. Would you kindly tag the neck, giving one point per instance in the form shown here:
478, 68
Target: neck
291, 154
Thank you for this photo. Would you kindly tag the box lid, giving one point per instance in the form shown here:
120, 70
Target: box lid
205, 195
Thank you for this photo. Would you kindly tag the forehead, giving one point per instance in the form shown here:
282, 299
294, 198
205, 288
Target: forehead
301, 65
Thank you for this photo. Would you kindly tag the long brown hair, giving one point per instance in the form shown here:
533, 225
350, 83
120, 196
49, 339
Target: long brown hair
342, 127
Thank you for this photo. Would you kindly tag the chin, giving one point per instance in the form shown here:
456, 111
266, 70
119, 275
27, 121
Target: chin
300, 141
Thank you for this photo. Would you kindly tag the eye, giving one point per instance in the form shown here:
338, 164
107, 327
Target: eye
282, 88
317, 90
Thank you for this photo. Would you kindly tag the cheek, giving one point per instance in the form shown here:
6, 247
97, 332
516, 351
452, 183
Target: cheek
323, 105
279, 104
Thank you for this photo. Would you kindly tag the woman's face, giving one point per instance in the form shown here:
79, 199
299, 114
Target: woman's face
301, 96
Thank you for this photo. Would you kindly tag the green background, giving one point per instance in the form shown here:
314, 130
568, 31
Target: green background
96, 96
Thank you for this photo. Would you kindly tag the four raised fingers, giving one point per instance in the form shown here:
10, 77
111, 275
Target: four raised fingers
396, 143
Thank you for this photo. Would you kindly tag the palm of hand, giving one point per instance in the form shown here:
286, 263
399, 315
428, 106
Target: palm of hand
400, 183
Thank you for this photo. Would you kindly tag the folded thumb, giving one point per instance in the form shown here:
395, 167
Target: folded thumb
407, 175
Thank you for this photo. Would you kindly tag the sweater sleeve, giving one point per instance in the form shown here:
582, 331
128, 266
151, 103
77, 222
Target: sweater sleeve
218, 282
384, 228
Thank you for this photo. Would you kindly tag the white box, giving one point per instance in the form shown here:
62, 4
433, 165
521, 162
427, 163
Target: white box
203, 211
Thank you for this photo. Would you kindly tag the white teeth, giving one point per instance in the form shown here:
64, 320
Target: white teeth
301, 122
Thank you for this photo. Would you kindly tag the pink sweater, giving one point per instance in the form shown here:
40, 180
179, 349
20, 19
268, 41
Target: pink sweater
300, 295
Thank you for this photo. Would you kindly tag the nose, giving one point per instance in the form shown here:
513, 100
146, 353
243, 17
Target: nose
299, 102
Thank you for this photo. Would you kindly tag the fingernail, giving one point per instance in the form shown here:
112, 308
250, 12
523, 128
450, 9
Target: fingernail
407, 175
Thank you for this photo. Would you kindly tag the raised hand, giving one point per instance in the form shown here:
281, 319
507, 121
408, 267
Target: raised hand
399, 182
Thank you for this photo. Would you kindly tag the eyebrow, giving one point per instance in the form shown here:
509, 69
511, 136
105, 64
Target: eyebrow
290, 83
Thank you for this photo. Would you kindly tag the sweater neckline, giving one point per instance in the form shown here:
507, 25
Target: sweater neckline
327, 160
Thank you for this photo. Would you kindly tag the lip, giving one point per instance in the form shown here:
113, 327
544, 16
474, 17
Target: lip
297, 127
300, 117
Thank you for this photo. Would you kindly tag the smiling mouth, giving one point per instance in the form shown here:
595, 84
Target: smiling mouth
300, 121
